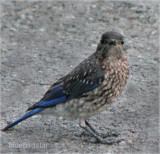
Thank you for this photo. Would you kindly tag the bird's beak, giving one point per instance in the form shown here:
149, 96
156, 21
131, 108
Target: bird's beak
119, 45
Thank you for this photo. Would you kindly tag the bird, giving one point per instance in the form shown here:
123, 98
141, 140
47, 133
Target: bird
90, 88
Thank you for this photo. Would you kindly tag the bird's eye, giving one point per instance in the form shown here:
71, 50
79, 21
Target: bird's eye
122, 42
102, 41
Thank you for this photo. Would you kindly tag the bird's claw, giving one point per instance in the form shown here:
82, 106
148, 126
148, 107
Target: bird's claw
109, 142
109, 134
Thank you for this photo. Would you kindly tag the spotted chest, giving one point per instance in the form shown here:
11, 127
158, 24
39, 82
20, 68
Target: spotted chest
116, 76
115, 79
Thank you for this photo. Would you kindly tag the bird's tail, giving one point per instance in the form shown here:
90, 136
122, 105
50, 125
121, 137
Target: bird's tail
26, 116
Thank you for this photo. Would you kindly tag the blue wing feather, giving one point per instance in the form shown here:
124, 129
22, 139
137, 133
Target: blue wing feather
57, 94
51, 102
81, 80
53, 96
26, 116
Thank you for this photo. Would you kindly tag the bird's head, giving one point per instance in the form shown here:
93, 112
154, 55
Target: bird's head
111, 45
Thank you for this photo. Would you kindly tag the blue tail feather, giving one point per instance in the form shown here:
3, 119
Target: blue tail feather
26, 116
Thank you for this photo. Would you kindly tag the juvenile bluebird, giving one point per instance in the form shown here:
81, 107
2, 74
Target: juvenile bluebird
89, 88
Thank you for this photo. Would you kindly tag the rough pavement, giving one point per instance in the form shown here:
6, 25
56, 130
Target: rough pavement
43, 41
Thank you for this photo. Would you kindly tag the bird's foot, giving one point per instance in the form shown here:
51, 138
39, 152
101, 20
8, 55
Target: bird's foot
109, 134
100, 137
110, 142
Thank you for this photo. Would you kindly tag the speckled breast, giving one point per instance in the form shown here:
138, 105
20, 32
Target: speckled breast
116, 76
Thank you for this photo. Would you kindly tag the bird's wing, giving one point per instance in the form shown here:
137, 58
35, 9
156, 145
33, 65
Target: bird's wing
80, 81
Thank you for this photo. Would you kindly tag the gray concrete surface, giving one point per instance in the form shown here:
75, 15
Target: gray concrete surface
43, 41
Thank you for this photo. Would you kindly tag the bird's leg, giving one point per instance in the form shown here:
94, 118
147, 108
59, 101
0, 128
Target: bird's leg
98, 138
108, 134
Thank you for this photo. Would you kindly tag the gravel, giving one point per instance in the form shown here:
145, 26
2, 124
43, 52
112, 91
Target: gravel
43, 41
